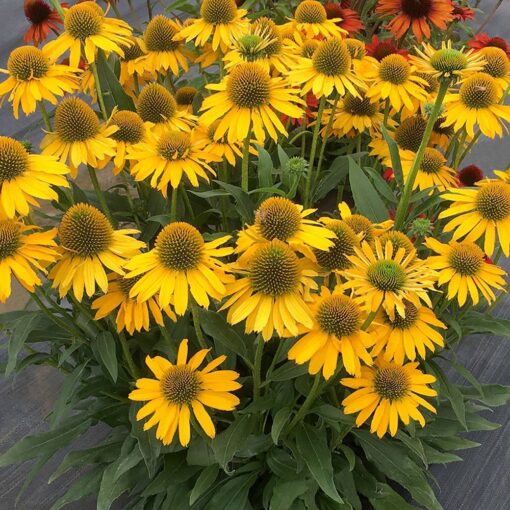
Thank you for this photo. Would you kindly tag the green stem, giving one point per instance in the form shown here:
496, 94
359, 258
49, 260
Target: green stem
45, 115
408, 188
325, 138
198, 329
223, 174
369, 320
100, 195
125, 181
56, 5
313, 150
245, 162
274, 361
310, 399
257, 367
133, 370
173, 204
149, 9
386, 112
468, 149
100, 97
187, 202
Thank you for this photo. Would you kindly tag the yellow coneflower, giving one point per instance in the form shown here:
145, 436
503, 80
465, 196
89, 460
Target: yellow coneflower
180, 263
336, 258
220, 20
87, 29
386, 277
329, 69
181, 388
246, 97
279, 218
89, 244
407, 336
131, 64
391, 393
483, 211
157, 107
162, 51
217, 149
393, 79
433, 174
447, 61
464, 268
33, 77
131, 314
79, 137
23, 251
270, 294
311, 19
336, 331
131, 131
361, 225
167, 157
357, 114
184, 97
262, 43
497, 65
477, 103
25, 178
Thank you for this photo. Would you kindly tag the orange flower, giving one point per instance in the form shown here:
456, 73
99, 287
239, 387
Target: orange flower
42, 19
349, 18
484, 40
380, 49
416, 14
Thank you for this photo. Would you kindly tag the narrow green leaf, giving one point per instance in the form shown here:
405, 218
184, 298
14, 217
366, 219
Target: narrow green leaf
105, 344
312, 445
113, 93
206, 478
280, 419
285, 493
242, 200
85, 485
289, 370
47, 442
367, 200
264, 168
226, 444
17, 338
233, 495
331, 179
395, 158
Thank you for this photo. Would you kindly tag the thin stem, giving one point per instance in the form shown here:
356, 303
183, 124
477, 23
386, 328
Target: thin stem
125, 181
223, 174
100, 195
310, 399
313, 150
408, 188
149, 9
386, 112
198, 329
245, 162
275, 359
45, 115
187, 202
56, 5
467, 149
173, 204
369, 319
325, 138
133, 370
100, 97
257, 367
303, 140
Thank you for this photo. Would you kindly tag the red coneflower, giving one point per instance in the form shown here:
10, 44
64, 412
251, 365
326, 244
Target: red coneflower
416, 14
380, 49
350, 20
483, 40
462, 13
469, 175
42, 19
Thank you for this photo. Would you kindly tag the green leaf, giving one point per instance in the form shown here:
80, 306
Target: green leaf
68, 389
128, 461
285, 493
105, 344
215, 326
113, 93
437, 457
393, 460
17, 338
381, 185
289, 370
282, 157
47, 442
349, 455
414, 444
242, 200
448, 390
282, 463
367, 200
493, 395
476, 322
233, 495
264, 168
280, 419
85, 485
388, 499
395, 158
206, 478
330, 180
231, 440
313, 447
453, 443
200, 453
148, 445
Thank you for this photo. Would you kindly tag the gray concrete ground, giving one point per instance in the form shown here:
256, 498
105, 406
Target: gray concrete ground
480, 482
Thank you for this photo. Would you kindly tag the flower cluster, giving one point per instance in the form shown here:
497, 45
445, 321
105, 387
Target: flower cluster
286, 184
